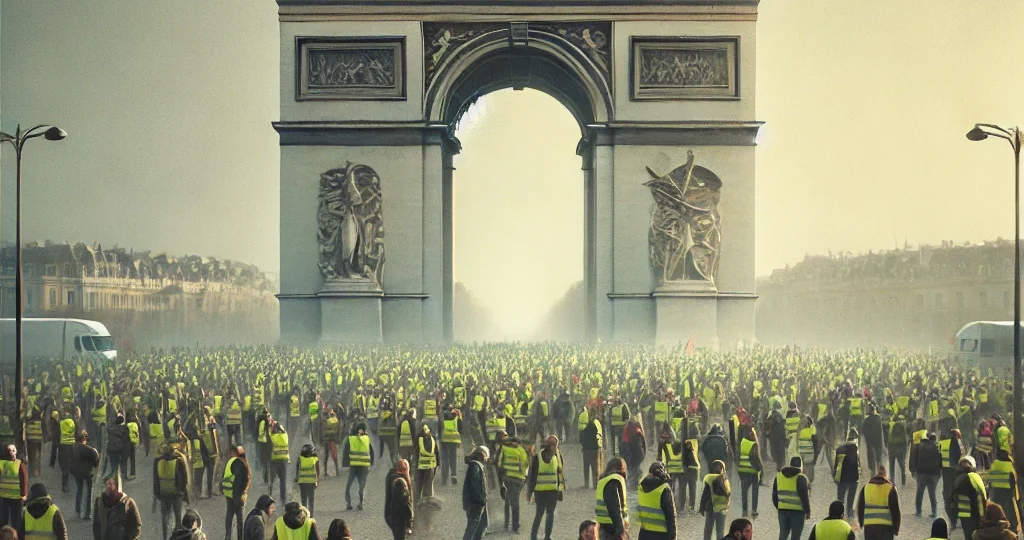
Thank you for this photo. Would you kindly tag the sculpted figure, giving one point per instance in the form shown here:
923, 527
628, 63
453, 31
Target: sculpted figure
350, 227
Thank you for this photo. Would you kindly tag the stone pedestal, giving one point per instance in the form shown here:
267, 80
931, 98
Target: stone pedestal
686, 309
350, 312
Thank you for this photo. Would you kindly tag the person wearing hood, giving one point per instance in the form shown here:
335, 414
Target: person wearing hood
190, 528
357, 455
878, 508
513, 465
235, 487
874, 437
657, 505
714, 500
791, 498
426, 463
968, 497
115, 515
994, 526
926, 465
42, 518
84, 461
13, 487
307, 476
170, 485
1003, 490
835, 527
117, 445
474, 493
451, 440
777, 435
295, 524
545, 481
591, 443
952, 449
940, 530
339, 530
210, 450
398, 500
258, 520
847, 468
716, 448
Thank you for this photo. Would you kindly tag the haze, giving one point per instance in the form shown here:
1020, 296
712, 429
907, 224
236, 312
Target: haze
168, 108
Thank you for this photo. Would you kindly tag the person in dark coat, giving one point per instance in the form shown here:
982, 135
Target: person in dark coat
398, 500
926, 466
117, 445
847, 469
634, 451
657, 475
294, 518
258, 520
474, 494
115, 515
877, 531
994, 526
239, 490
613, 502
84, 461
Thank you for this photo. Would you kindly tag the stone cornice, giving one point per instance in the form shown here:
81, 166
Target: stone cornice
320, 133
516, 10
697, 133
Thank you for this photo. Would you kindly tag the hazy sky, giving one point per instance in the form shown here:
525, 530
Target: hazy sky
168, 108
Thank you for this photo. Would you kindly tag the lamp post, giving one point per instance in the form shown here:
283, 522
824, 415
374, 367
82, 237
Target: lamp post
18, 140
1014, 136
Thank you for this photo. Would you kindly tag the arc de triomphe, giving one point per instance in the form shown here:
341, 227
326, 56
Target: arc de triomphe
663, 91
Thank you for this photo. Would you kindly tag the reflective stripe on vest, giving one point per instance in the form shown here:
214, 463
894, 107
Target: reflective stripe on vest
35, 430
547, 474
280, 451
10, 483
719, 503
405, 438
234, 416
307, 469
67, 431
512, 461
876, 504
745, 464
166, 473
427, 460
944, 445
156, 433
999, 474
832, 529
40, 528
197, 454
673, 461
964, 501
450, 434
133, 433
284, 533
652, 517
805, 441
789, 499
359, 450
227, 484
601, 509
430, 408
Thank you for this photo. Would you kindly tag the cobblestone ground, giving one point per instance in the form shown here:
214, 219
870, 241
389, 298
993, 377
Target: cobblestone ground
449, 524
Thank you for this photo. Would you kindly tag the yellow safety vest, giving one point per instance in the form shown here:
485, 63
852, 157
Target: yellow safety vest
172, 405
999, 474
314, 410
166, 473
359, 450
261, 432
876, 504
293, 407
332, 429
690, 447
719, 503
405, 435
919, 435
10, 483
746, 445
427, 460
512, 460
547, 474
307, 469
40, 528
832, 529
99, 415
792, 424
984, 444
234, 415
494, 425
617, 420
660, 411
156, 433
805, 441
601, 510
652, 517
197, 454
964, 502
429, 408
67, 431
673, 462
217, 400
133, 433
450, 433
855, 404
944, 445
227, 484
933, 411
582, 420
789, 499
35, 431
284, 533
280, 447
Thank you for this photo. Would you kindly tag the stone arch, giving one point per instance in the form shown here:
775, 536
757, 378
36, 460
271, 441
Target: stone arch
544, 61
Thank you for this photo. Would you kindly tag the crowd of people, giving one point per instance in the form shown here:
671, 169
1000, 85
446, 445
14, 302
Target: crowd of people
501, 414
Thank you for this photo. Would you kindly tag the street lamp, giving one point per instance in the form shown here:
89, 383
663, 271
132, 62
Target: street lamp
18, 140
1014, 136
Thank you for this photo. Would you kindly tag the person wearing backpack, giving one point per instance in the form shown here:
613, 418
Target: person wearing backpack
896, 443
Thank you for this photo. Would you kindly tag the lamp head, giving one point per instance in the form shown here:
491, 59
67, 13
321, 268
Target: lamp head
977, 134
55, 134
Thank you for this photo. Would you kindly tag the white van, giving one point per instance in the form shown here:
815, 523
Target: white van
64, 339
985, 344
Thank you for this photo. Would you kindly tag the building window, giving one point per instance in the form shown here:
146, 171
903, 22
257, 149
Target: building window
53, 297
959, 300
51, 270
67, 270
71, 298
983, 299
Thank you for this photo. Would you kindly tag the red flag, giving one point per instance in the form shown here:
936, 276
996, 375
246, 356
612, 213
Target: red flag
689, 347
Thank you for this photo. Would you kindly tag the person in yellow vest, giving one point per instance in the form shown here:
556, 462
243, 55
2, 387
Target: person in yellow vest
618, 416
671, 455
790, 496
969, 497
951, 448
154, 432
714, 500
749, 467
431, 406
170, 486
611, 509
656, 504
452, 429
357, 454
332, 435
1003, 488
235, 488
99, 422
13, 487
294, 412
407, 430
34, 440
513, 464
878, 508
315, 424
984, 448
835, 527
591, 444
846, 471
808, 445
427, 452
545, 483
263, 444
279, 459
42, 519
233, 423
896, 444
388, 430
295, 524
793, 419
210, 449
307, 476
68, 428
134, 438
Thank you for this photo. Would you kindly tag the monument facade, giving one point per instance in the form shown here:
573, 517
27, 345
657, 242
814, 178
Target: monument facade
663, 91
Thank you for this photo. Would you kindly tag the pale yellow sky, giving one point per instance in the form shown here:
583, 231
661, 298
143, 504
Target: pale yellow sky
168, 106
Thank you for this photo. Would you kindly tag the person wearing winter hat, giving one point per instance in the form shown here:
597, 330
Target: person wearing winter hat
42, 517
940, 530
834, 527
791, 498
969, 497
295, 524
259, 518
190, 528
116, 516
995, 525
657, 504
846, 472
